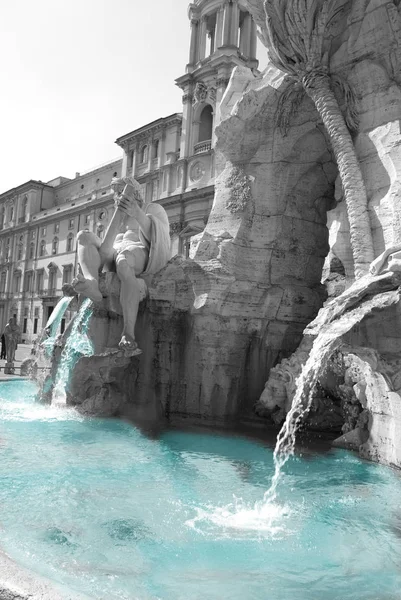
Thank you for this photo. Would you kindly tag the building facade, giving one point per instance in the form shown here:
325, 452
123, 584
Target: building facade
172, 158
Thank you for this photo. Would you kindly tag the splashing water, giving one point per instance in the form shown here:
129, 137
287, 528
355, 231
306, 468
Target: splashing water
78, 344
54, 323
268, 515
328, 339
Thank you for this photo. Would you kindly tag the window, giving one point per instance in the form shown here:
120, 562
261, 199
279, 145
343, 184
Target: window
55, 246
7, 250
25, 321
24, 209
52, 279
82, 186
35, 324
206, 124
155, 189
71, 224
31, 251
144, 154
115, 174
3, 279
156, 149
28, 281
11, 213
102, 215
20, 251
43, 231
42, 248
39, 281
100, 231
17, 283
56, 227
70, 243
32, 234
67, 274
87, 220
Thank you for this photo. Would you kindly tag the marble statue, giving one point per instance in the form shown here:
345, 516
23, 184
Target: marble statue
136, 244
389, 260
11, 333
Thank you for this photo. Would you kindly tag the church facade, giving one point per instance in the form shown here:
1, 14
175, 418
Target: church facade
172, 158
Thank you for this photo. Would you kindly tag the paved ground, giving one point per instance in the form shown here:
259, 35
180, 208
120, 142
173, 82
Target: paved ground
23, 352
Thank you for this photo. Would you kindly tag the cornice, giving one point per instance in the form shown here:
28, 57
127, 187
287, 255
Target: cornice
145, 130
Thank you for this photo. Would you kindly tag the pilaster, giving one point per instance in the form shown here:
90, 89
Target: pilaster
194, 42
234, 24
227, 23
202, 38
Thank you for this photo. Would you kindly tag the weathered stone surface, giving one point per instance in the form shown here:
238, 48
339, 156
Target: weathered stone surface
213, 326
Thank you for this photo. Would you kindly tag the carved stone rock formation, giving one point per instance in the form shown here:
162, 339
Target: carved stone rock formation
212, 328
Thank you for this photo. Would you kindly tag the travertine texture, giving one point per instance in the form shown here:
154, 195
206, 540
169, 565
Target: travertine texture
214, 325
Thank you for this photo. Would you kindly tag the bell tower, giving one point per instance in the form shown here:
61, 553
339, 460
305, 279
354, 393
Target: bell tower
223, 36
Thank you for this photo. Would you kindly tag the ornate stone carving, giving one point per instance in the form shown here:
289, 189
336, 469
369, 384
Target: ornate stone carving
187, 98
200, 93
222, 82
197, 171
176, 227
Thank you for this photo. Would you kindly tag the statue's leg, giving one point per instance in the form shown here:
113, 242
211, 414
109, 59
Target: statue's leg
90, 263
130, 263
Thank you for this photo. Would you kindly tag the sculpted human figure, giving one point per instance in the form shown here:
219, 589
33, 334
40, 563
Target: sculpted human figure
12, 334
136, 244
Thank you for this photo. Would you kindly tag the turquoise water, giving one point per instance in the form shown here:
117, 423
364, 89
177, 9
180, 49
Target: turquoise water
78, 344
97, 505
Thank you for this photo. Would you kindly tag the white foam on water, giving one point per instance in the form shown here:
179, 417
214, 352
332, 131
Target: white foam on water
269, 520
21, 411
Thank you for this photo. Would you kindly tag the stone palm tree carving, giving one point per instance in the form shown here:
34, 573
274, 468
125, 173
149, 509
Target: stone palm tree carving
298, 35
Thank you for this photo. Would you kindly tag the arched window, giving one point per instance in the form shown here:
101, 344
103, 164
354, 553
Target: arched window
55, 245
100, 231
70, 243
31, 251
156, 149
206, 124
144, 154
42, 248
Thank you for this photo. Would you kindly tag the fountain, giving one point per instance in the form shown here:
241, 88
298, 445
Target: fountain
242, 323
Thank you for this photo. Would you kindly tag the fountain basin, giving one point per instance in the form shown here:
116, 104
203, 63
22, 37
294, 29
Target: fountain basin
104, 510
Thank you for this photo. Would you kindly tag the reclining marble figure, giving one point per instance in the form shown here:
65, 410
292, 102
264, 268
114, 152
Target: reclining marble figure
136, 244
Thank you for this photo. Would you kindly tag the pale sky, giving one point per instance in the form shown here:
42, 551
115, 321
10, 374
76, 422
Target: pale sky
77, 74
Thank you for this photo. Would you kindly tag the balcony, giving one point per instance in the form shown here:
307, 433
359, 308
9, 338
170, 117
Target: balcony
204, 146
50, 293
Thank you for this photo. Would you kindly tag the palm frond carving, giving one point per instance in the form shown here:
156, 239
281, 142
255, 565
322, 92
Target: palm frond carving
298, 36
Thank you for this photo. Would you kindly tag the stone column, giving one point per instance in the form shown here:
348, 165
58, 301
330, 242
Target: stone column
219, 28
194, 42
135, 159
202, 38
186, 124
253, 40
150, 149
162, 148
234, 25
245, 36
124, 166
227, 23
